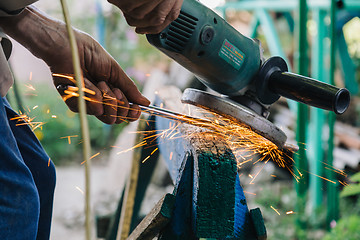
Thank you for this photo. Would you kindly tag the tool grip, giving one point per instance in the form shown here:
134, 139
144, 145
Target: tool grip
309, 91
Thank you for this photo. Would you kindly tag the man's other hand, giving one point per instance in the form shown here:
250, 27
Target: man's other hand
149, 16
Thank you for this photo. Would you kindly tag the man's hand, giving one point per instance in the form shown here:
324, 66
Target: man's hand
149, 16
108, 89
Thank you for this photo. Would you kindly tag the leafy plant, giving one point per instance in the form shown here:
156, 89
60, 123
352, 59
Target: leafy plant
346, 229
60, 128
352, 189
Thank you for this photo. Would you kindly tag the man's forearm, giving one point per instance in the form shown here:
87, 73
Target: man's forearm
42, 36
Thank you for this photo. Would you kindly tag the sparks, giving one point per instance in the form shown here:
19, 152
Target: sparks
250, 193
80, 190
146, 159
95, 155
171, 155
30, 87
290, 212
69, 138
321, 177
275, 210
23, 119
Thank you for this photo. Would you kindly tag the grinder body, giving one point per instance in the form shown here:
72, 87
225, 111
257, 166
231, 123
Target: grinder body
205, 44
232, 65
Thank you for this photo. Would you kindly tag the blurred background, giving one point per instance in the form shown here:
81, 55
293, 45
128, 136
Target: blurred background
58, 128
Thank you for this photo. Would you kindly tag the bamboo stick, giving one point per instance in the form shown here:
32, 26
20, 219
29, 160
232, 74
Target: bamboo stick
83, 118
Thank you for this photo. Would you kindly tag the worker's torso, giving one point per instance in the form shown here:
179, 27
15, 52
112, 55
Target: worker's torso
7, 9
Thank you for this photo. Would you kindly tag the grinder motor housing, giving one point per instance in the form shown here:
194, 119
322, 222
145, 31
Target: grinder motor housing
232, 65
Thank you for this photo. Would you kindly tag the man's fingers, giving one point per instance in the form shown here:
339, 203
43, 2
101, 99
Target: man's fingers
109, 103
150, 19
123, 107
69, 93
143, 10
167, 11
119, 79
134, 113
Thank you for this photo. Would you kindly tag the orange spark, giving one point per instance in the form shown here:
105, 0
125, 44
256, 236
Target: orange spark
80, 190
30, 77
95, 155
336, 170
23, 119
171, 155
275, 210
146, 159
30, 87
321, 177
69, 138
154, 151
71, 78
49, 162
290, 212
250, 193
343, 183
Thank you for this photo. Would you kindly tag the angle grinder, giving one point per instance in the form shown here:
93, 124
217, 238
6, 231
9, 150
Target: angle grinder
233, 66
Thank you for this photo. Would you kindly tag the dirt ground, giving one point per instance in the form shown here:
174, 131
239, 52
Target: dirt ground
68, 215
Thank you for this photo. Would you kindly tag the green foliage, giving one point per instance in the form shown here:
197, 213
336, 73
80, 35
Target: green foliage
352, 189
346, 229
280, 196
46, 106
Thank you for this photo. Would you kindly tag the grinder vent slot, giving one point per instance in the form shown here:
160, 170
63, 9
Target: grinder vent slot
180, 31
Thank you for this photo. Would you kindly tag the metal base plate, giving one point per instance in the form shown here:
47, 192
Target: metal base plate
237, 112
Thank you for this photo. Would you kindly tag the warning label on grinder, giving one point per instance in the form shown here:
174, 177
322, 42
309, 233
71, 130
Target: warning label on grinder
231, 54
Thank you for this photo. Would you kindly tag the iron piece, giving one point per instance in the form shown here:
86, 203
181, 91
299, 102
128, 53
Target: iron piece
237, 112
172, 115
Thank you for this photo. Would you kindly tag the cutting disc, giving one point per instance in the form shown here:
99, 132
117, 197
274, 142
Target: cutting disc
236, 112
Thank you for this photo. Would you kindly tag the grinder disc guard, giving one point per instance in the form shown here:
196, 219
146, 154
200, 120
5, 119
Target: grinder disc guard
237, 112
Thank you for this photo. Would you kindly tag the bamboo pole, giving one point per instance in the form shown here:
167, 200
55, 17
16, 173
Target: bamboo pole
83, 118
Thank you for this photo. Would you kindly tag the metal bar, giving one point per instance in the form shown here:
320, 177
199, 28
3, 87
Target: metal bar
172, 115
333, 192
272, 38
301, 123
317, 120
347, 65
255, 23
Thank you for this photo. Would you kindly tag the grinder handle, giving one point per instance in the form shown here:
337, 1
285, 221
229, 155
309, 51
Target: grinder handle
274, 80
309, 91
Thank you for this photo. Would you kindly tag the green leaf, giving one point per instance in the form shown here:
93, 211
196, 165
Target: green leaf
355, 177
350, 190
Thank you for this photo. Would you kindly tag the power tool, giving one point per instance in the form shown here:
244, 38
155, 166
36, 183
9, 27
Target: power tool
233, 66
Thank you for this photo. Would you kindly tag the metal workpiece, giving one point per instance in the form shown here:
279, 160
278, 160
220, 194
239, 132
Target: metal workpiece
236, 112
